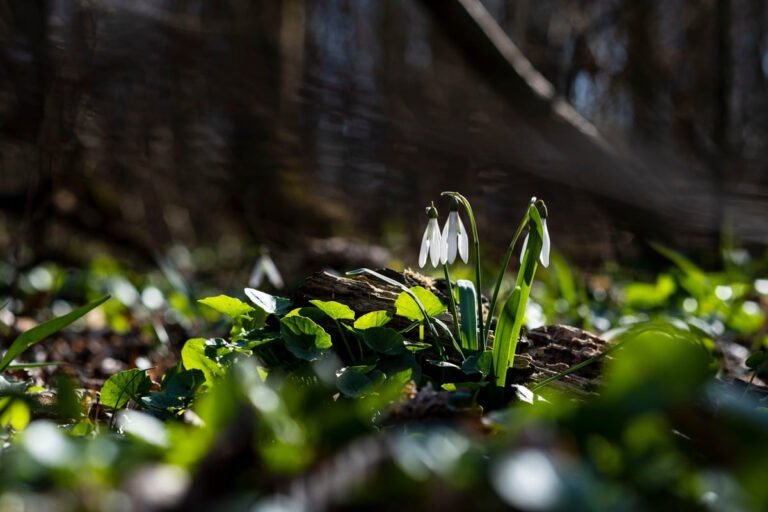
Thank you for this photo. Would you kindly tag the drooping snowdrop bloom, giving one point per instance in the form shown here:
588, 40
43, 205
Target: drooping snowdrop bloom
430, 242
265, 267
454, 238
544, 254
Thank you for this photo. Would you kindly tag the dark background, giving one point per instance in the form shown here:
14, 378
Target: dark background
132, 127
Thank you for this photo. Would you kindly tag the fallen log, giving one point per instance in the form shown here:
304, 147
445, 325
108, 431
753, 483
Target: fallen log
541, 352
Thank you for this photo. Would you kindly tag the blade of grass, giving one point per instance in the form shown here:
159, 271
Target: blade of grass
44, 330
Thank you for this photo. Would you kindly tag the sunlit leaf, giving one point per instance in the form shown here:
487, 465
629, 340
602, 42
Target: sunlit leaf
124, 386
335, 310
226, 305
646, 296
271, 304
193, 356
304, 338
14, 412
407, 307
372, 319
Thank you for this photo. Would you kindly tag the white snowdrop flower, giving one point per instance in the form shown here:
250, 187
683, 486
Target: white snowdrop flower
430, 242
454, 237
545, 244
265, 267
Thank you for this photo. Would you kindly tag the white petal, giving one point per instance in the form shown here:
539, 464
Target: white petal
544, 257
272, 273
522, 251
463, 242
452, 236
444, 244
434, 243
257, 274
424, 248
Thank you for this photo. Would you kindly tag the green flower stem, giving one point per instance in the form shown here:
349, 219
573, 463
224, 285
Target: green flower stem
476, 244
452, 302
346, 342
507, 257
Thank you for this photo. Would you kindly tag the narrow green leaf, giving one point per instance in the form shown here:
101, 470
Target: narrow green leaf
407, 307
304, 338
372, 319
513, 313
468, 312
226, 305
335, 310
124, 386
44, 330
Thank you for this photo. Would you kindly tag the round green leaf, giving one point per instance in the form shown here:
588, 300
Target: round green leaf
121, 387
354, 383
385, 340
304, 338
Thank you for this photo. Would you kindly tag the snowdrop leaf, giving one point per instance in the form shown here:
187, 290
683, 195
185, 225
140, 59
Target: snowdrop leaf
468, 311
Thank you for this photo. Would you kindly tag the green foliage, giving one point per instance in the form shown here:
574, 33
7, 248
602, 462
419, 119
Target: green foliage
304, 338
125, 386
334, 310
372, 319
44, 330
194, 357
270, 304
384, 340
226, 305
467, 308
513, 313
407, 307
